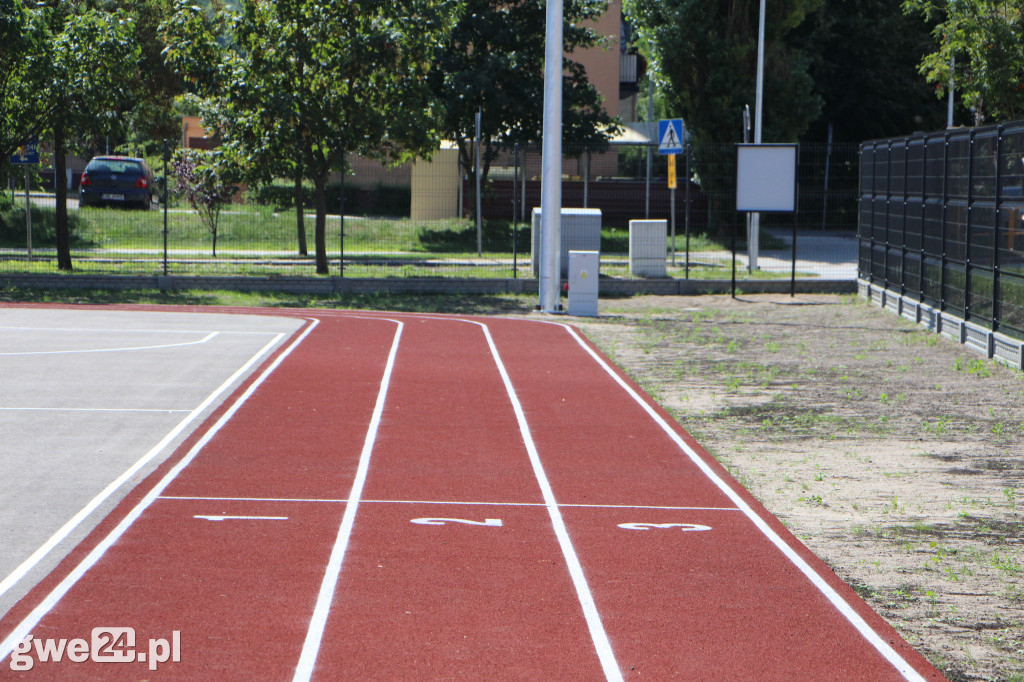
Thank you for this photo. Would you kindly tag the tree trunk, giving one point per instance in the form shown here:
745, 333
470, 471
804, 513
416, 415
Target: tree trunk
61, 187
300, 218
320, 234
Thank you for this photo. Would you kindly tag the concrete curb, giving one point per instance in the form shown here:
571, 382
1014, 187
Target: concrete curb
346, 285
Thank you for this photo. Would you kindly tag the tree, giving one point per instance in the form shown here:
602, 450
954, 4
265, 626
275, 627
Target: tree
865, 56
493, 62
205, 178
79, 81
986, 40
21, 44
155, 85
704, 54
340, 77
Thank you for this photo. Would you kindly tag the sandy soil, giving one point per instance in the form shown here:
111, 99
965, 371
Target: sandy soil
896, 455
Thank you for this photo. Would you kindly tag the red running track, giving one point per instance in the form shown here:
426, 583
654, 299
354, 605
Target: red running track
419, 497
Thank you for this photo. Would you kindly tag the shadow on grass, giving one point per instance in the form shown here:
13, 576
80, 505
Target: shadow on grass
494, 237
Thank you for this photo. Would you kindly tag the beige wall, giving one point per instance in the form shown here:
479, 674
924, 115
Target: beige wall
435, 186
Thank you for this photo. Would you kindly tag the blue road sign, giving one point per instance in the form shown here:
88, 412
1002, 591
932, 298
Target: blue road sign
27, 153
670, 136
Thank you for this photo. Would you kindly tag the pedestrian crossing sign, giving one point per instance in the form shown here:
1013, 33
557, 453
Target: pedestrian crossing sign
670, 136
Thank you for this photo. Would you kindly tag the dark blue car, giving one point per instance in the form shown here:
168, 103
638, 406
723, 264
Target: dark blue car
117, 181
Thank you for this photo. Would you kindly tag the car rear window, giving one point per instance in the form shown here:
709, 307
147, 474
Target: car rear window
115, 166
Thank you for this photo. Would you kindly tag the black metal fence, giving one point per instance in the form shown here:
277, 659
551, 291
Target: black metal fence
942, 222
418, 220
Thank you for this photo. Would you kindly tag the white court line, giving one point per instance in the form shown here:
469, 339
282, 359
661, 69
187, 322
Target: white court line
25, 627
819, 582
455, 503
86, 409
180, 344
318, 622
18, 573
597, 632
128, 330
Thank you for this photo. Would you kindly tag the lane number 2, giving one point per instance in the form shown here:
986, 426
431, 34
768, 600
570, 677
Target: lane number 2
442, 522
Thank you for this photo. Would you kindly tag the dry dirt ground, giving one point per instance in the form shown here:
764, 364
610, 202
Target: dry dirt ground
895, 454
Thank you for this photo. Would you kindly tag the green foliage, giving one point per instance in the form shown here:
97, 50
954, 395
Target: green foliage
21, 45
865, 56
44, 225
493, 62
986, 40
705, 58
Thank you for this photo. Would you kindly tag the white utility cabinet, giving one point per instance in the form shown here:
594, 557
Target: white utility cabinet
583, 282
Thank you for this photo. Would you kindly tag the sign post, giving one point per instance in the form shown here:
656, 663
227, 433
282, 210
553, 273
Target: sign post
670, 142
672, 206
25, 156
766, 182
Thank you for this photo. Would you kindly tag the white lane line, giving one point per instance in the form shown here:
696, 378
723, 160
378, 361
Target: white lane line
597, 632
453, 503
218, 517
24, 628
819, 582
315, 633
73, 351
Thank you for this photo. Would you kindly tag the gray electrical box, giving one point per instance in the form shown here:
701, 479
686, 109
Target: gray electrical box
583, 280
580, 230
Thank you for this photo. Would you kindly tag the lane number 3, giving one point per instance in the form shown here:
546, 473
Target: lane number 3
648, 526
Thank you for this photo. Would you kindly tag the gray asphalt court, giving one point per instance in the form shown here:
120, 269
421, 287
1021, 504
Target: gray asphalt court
91, 401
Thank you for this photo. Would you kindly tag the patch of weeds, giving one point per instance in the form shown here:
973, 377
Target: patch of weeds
893, 506
1007, 564
940, 427
979, 367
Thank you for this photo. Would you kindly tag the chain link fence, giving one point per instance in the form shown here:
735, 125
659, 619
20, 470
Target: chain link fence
419, 220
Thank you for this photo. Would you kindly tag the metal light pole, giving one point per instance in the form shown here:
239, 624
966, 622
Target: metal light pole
754, 233
551, 170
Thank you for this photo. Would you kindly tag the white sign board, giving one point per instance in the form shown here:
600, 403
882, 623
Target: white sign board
766, 177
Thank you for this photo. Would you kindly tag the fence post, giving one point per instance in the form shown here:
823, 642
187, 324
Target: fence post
995, 230
341, 221
686, 218
924, 216
942, 225
903, 218
888, 202
967, 232
515, 210
164, 198
862, 153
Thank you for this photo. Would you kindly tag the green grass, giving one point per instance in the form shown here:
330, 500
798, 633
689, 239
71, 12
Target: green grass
257, 240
